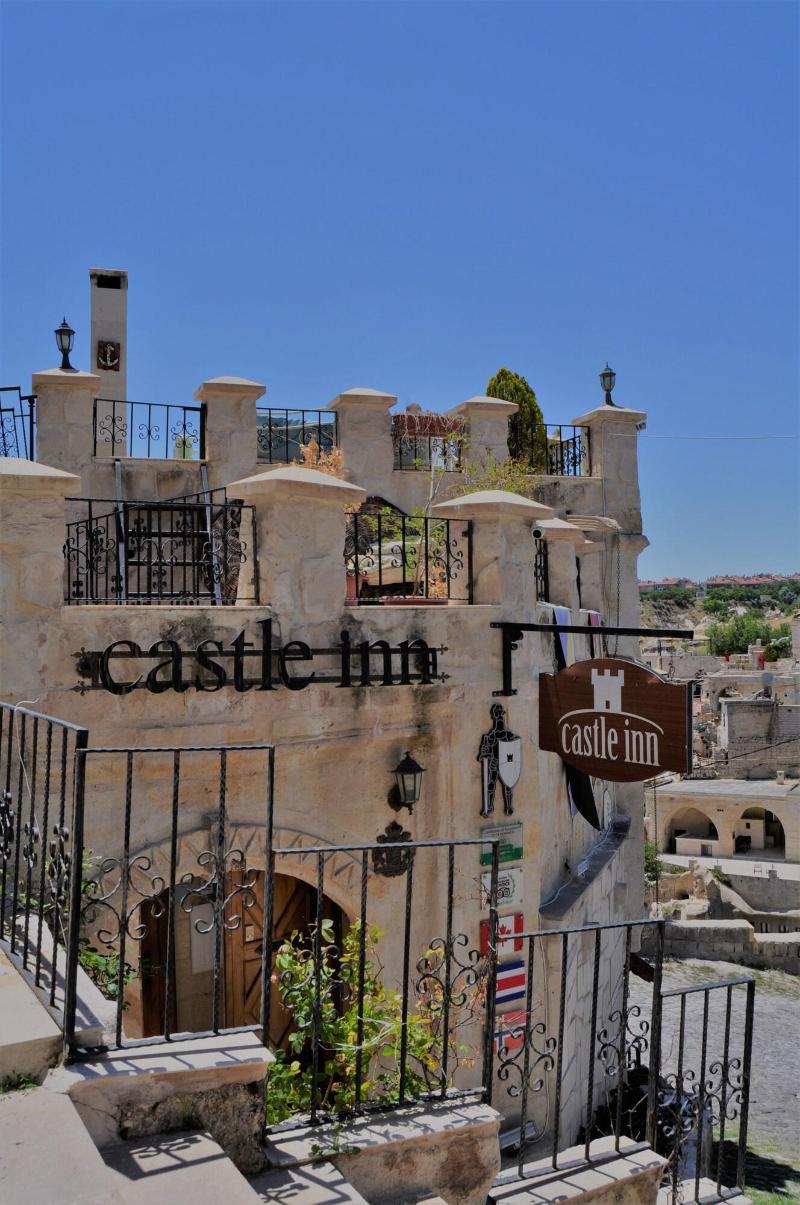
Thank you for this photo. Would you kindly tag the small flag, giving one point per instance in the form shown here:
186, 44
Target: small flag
509, 1036
510, 981
507, 928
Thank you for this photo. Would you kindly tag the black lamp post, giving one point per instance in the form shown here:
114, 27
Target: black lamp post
607, 380
65, 337
408, 774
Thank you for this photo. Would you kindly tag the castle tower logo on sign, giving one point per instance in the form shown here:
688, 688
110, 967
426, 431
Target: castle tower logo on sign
615, 720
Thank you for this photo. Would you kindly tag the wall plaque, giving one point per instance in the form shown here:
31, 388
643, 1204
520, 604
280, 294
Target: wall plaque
509, 888
616, 720
108, 355
510, 838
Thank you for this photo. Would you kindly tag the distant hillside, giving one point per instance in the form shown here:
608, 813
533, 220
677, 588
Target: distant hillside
744, 613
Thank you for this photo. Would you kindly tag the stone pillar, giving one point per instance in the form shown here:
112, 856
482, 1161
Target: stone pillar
300, 521
32, 532
64, 407
502, 545
486, 419
231, 430
591, 563
563, 541
613, 439
365, 436
108, 352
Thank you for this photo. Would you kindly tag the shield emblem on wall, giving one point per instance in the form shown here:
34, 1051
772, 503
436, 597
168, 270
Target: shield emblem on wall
509, 758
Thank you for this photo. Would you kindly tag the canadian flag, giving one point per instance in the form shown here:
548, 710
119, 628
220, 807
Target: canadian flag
507, 928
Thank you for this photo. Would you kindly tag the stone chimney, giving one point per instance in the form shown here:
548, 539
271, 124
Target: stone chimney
109, 331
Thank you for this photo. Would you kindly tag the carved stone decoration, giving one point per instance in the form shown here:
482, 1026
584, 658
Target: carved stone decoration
392, 862
500, 755
108, 355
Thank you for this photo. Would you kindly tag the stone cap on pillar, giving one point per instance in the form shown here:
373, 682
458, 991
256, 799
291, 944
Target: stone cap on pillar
363, 399
293, 482
487, 407
601, 523
560, 529
236, 389
58, 376
492, 504
30, 477
608, 414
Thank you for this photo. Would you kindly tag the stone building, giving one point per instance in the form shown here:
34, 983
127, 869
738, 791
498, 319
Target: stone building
173, 578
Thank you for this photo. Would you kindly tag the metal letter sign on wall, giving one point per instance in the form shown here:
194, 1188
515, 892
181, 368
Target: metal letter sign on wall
615, 720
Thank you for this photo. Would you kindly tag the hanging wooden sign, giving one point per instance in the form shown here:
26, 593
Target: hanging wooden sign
616, 720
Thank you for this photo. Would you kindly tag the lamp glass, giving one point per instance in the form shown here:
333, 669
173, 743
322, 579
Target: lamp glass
409, 780
65, 337
608, 378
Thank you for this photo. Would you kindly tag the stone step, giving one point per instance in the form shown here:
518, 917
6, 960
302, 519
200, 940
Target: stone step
632, 1173
30, 1040
178, 1167
707, 1194
307, 1184
46, 1155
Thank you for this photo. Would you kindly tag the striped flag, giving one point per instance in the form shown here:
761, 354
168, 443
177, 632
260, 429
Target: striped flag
510, 981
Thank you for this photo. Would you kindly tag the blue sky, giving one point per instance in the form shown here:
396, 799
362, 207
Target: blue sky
409, 195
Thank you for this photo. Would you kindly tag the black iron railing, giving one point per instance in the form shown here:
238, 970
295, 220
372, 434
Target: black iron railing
149, 429
139, 904
281, 433
703, 1039
154, 552
419, 451
541, 570
390, 556
40, 791
17, 423
365, 1042
560, 451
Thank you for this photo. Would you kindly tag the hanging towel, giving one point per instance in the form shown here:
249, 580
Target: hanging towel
595, 642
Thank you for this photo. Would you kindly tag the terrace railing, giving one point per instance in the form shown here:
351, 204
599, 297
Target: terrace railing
426, 442
40, 816
395, 556
188, 552
149, 429
559, 450
17, 423
281, 432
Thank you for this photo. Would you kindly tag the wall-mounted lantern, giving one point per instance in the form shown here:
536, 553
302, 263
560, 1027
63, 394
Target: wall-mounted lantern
607, 381
408, 774
65, 337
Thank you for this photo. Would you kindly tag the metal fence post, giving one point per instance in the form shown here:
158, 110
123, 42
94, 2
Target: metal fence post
654, 1070
76, 890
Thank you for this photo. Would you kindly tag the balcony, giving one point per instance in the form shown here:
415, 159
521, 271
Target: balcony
148, 429
282, 434
17, 423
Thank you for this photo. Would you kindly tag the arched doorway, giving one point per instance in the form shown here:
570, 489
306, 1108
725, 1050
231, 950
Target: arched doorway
691, 831
189, 1003
759, 832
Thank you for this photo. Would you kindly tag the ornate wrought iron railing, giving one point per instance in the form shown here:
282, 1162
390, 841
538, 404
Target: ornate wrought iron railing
40, 798
188, 552
392, 556
402, 1039
426, 442
603, 1058
560, 451
541, 569
149, 429
281, 432
17, 423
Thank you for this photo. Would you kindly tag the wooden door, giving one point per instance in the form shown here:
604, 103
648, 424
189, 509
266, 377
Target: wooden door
293, 910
